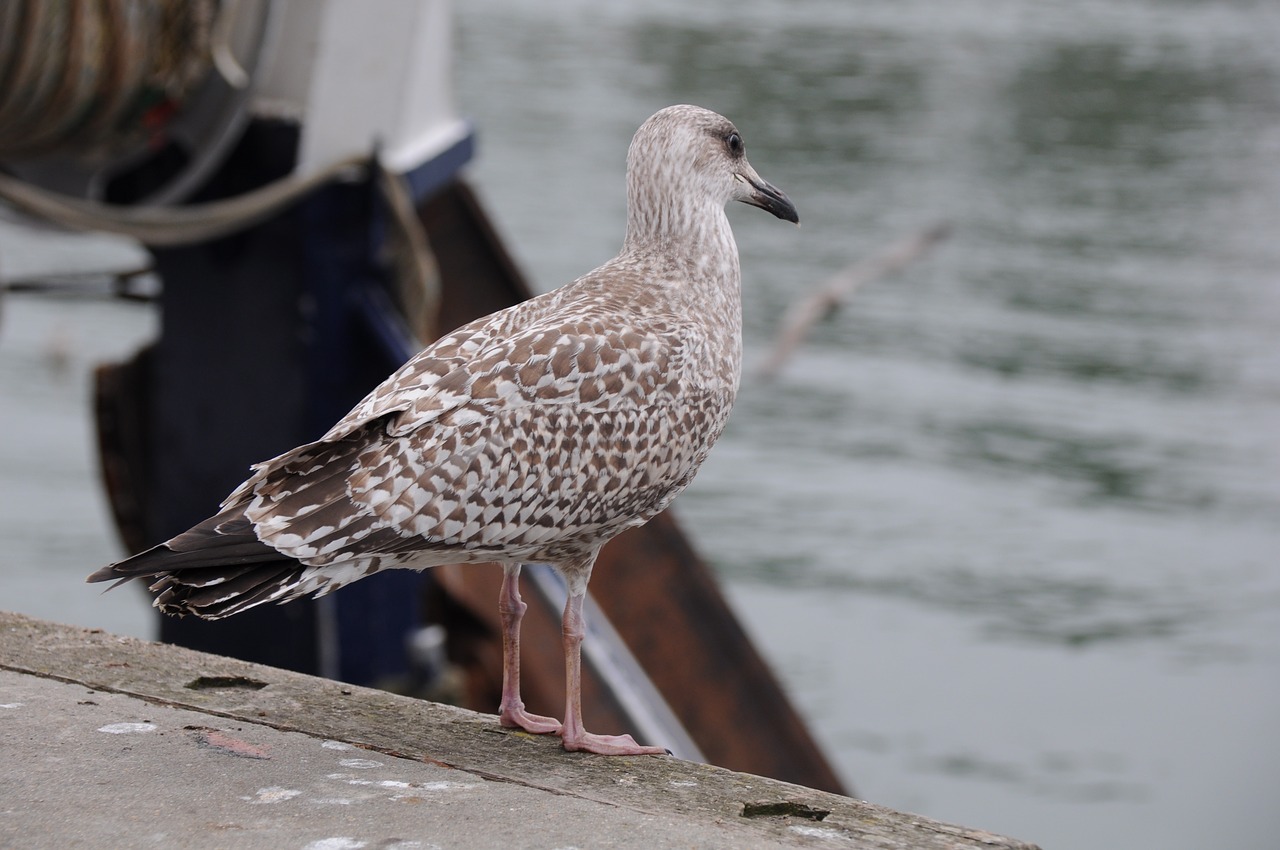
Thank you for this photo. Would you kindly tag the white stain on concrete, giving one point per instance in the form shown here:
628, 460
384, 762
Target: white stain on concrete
818, 832
340, 842
272, 794
336, 843
127, 728
445, 785
415, 792
336, 745
10, 705
360, 764
683, 783
411, 789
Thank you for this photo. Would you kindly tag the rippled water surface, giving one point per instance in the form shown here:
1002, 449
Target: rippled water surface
1008, 525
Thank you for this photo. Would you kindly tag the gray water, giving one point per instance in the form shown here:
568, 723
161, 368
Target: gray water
1008, 526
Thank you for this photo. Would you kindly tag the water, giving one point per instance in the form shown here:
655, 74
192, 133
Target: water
1008, 526
54, 519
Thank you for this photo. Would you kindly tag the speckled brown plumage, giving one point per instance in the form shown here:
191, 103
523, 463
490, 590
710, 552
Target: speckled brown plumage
534, 434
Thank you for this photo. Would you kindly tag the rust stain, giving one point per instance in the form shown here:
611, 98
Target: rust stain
213, 739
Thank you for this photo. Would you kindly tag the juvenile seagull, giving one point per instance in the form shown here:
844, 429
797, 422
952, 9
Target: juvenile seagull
535, 434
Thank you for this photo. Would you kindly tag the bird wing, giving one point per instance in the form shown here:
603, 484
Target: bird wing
533, 437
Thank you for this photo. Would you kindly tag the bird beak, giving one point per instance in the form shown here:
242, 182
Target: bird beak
763, 194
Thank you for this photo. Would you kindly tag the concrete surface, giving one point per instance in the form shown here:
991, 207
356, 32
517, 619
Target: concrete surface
111, 742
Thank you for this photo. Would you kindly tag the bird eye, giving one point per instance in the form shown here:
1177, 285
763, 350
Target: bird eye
734, 142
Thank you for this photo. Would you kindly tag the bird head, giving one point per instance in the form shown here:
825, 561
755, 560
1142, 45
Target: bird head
685, 156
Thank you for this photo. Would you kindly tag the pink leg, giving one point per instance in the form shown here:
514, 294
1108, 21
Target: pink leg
511, 610
575, 736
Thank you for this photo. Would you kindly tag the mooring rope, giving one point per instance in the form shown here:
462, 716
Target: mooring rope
182, 225
413, 262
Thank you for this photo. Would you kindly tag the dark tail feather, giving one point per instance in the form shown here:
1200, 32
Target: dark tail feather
222, 594
217, 568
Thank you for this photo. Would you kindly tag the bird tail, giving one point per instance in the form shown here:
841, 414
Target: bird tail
216, 569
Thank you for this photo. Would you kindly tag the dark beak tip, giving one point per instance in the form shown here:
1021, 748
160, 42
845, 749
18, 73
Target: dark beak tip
772, 199
782, 207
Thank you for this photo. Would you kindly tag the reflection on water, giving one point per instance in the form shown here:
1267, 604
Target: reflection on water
868, 86
1097, 468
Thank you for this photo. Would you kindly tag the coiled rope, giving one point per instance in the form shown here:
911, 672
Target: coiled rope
101, 78
97, 78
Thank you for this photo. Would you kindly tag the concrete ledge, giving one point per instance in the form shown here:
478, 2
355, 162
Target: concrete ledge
116, 742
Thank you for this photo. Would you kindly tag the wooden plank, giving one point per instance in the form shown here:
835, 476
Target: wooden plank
666, 602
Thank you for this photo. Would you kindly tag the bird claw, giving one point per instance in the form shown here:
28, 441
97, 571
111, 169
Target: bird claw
518, 718
610, 745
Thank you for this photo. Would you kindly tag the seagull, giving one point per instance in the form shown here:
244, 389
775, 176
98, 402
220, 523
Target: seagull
535, 434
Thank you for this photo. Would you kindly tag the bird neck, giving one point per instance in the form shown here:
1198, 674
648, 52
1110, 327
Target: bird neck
691, 262
686, 231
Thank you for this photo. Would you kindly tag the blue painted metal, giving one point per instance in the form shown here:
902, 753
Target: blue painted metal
268, 337
358, 336
434, 174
